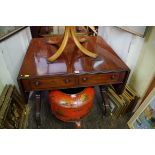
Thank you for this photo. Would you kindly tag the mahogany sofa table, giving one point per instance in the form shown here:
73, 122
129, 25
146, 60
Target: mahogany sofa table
72, 69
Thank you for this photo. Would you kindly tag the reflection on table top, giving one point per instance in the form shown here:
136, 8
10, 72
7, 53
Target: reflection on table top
72, 60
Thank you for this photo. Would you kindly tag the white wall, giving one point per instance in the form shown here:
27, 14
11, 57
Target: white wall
12, 52
145, 68
126, 45
58, 29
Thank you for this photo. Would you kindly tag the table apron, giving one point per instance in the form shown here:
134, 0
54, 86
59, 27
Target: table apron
50, 83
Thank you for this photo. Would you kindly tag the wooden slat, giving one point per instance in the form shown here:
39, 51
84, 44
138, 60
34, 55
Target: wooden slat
24, 119
17, 97
7, 110
6, 102
2, 97
9, 98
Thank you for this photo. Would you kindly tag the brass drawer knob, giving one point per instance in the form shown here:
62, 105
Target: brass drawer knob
37, 83
67, 80
84, 79
114, 76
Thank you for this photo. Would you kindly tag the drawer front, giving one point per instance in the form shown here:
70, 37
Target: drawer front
100, 79
52, 83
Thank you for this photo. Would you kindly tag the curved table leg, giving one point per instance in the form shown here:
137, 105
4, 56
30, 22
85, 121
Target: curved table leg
82, 49
62, 46
71, 30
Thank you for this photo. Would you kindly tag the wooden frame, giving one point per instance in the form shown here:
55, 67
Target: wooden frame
141, 32
13, 113
9, 32
116, 102
144, 117
114, 105
149, 89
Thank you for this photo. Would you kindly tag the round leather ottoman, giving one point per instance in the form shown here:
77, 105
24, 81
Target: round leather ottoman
71, 104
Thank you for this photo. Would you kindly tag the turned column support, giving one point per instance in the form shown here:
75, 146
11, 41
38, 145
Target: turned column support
38, 107
105, 102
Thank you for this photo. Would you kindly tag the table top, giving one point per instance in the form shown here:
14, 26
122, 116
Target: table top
72, 60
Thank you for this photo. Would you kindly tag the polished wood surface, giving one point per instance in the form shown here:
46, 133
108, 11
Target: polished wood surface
35, 62
72, 69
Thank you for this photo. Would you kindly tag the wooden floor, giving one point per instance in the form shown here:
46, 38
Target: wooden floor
94, 120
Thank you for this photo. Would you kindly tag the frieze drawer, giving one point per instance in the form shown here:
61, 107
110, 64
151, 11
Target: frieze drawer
48, 83
97, 79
